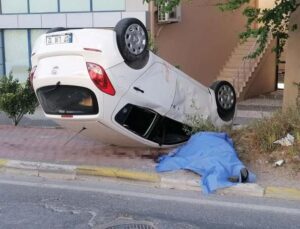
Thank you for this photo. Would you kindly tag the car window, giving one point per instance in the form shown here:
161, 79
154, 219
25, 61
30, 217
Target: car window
168, 132
152, 126
71, 100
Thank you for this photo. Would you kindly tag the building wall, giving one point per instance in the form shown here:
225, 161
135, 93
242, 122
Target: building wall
292, 73
202, 42
22, 21
265, 4
1, 55
264, 80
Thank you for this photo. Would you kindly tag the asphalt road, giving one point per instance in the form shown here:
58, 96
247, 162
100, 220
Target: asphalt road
30, 202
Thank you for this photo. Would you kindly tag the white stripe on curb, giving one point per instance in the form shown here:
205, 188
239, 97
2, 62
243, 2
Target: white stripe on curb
41, 169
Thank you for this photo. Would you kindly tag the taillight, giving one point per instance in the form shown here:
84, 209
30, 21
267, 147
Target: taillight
31, 75
100, 78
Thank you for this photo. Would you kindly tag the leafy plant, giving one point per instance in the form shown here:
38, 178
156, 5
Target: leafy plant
16, 99
274, 21
151, 44
196, 123
166, 5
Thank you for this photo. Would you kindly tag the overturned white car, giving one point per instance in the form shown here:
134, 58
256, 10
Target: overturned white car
106, 84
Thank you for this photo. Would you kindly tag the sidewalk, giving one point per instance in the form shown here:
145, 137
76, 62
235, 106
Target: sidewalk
38, 140
49, 145
43, 152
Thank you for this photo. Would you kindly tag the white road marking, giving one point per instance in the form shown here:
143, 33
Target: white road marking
206, 202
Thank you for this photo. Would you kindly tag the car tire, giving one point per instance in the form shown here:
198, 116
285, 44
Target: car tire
132, 40
56, 29
225, 99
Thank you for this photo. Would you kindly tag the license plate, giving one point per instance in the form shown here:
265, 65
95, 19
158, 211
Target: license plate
59, 39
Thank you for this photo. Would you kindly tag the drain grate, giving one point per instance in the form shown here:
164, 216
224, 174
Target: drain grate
131, 226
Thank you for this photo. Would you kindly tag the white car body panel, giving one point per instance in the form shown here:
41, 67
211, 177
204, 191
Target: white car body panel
158, 84
162, 88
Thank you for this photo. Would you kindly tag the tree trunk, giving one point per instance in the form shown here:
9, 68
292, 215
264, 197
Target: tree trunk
292, 72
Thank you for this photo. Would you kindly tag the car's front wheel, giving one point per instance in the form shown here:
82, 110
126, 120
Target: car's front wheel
225, 99
132, 40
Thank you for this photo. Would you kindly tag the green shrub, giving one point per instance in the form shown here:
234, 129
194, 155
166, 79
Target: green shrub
194, 124
16, 99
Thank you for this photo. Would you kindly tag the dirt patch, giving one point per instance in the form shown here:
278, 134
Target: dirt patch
262, 161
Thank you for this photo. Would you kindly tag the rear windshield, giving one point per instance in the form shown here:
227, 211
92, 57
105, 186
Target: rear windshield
71, 100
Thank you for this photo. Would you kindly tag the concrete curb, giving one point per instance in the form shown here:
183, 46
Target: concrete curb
181, 180
283, 193
117, 173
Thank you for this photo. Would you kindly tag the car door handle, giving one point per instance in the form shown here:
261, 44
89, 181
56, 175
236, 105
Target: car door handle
138, 89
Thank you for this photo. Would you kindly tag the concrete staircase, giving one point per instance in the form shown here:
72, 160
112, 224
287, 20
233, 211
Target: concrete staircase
238, 70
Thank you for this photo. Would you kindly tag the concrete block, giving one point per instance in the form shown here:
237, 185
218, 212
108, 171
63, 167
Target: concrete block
283, 193
29, 21
181, 180
25, 172
136, 5
1, 57
79, 20
56, 171
22, 168
243, 190
106, 19
1, 43
1, 69
142, 16
54, 20
8, 21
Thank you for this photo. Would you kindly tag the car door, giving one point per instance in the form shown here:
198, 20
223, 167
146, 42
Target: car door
155, 89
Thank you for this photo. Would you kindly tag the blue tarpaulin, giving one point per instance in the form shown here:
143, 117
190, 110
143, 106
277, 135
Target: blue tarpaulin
211, 155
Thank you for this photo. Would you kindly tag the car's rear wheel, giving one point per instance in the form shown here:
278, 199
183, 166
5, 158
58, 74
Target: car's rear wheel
132, 40
225, 99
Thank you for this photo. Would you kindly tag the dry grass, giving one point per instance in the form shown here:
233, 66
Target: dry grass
256, 140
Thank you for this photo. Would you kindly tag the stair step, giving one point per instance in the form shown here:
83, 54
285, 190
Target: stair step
238, 70
246, 46
234, 76
274, 103
234, 71
236, 58
237, 85
233, 64
253, 114
258, 108
230, 80
244, 52
277, 95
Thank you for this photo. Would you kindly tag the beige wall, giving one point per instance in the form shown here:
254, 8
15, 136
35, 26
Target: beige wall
292, 73
202, 42
263, 4
264, 78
